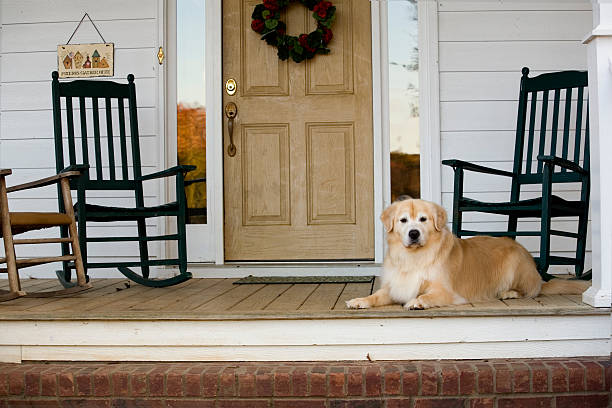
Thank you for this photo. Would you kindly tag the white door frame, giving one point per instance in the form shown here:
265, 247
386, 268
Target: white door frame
209, 244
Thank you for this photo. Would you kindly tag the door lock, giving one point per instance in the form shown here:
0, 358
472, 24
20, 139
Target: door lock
231, 86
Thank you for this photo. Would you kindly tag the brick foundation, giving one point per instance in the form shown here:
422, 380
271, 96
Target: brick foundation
555, 383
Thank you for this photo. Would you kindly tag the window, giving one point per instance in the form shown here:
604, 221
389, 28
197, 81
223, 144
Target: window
404, 98
191, 107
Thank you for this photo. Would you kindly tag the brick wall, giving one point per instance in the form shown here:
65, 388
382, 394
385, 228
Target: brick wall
555, 383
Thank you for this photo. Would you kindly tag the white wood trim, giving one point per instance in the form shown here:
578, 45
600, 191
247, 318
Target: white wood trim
600, 104
201, 244
380, 121
214, 125
303, 332
163, 121
10, 354
429, 101
300, 339
467, 351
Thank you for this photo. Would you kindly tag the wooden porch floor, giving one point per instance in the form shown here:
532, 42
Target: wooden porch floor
220, 299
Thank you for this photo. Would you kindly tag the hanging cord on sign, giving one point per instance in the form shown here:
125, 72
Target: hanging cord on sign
79, 25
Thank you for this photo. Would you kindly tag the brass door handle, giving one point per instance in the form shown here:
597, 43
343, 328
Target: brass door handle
231, 110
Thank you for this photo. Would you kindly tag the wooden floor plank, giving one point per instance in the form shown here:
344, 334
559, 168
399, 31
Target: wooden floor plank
324, 297
183, 297
556, 301
490, 305
200, 298
522, 303
292, 298
261, 299
141, 294
457, 307
35, 285
115, 298
78, 300
351, 291
577, 299
27, 303
165, 296
228, 299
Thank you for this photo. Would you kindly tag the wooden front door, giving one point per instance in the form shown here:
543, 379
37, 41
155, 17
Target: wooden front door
300, 186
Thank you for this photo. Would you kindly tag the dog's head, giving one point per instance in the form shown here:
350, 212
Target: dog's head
414, 222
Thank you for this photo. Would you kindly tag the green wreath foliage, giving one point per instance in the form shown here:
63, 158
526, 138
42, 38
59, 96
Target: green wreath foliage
266, 21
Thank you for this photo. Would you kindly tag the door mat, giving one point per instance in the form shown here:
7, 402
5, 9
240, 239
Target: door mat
267, 280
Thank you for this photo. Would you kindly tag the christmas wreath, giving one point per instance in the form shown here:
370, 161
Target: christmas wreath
266, 21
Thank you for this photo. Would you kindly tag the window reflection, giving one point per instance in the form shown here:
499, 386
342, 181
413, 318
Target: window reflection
191, 110
404, 98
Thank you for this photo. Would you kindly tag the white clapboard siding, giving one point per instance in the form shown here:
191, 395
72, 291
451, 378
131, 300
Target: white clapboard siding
471, 56
125, 34
29, 35
483, 45
37, 66
40, 153
512, 5
514, 25
37, 95
44, 11
34, 124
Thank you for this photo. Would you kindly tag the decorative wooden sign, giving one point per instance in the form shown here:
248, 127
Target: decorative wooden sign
85, 60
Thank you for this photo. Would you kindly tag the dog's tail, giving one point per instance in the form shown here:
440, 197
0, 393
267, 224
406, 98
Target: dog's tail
564, 287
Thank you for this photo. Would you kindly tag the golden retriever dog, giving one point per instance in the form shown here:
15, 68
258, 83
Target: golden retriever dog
427, 266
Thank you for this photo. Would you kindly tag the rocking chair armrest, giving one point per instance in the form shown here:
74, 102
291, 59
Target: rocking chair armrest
43, 182
169, 172
558, 161
76, 167
194, 181
5, 172
475, 167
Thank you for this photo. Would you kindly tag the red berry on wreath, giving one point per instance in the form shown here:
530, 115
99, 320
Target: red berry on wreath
257, 25
327, 35
271, 5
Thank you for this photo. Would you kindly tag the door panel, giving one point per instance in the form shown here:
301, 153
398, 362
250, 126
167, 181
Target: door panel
300, 186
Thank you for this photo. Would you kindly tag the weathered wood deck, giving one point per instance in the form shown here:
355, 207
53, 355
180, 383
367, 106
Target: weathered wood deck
220, 299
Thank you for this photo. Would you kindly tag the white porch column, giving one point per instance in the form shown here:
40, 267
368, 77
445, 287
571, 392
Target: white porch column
599, 44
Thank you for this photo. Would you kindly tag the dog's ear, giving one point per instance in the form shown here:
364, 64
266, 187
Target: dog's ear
388, 217
439, 217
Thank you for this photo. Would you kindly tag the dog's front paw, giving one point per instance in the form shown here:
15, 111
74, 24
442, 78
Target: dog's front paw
357, 303
416, 304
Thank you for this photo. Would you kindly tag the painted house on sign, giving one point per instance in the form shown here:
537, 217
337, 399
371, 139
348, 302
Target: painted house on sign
321, 147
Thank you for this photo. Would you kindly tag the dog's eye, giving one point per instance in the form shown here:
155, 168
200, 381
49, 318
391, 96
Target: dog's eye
403, 220
423, 219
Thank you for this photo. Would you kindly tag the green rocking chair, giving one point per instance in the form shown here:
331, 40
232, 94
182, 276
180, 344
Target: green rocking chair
110, 169
540, 158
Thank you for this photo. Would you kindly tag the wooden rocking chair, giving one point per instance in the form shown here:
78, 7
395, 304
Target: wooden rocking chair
115, 165
14, 223
541, 159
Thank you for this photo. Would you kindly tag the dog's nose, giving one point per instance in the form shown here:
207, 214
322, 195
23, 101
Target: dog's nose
414, 234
